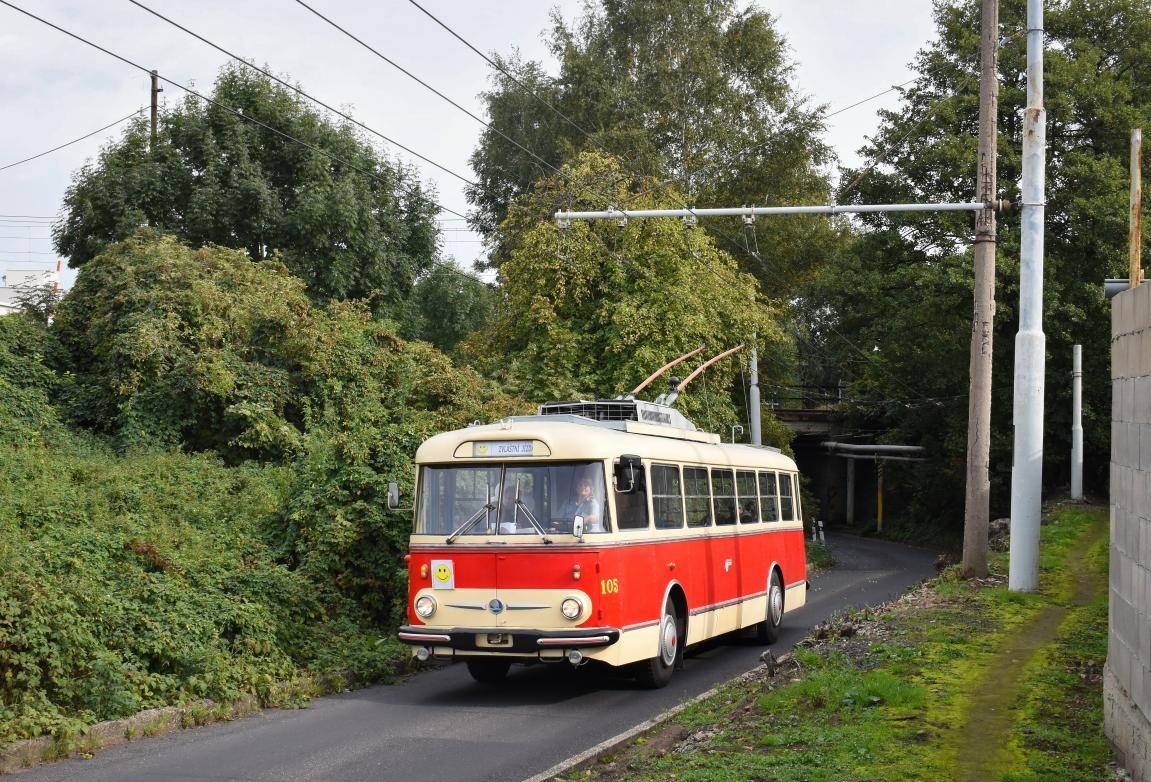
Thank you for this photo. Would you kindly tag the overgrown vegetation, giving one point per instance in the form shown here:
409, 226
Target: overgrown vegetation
193, 465
899, 693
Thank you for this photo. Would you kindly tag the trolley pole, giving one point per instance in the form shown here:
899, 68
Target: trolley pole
1077, 423
978, 493
1030, 342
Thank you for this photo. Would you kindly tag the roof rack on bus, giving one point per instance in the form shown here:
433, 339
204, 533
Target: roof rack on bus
620, 410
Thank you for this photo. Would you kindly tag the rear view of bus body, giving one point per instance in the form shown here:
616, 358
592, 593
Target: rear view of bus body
608, 530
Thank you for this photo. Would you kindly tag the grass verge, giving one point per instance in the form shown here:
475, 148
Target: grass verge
898, 692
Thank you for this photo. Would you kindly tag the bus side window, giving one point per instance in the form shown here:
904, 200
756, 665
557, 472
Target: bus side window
666, 496
768, 496
697, 496
631, 507
748, 497
723, 491
786, 501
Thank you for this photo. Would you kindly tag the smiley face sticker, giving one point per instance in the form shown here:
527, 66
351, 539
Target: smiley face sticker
443, 574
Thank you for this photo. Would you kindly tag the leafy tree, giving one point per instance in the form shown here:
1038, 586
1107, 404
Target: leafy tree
902, 294
38, 302
172, 346
206, 350
449, 305
694, 92
345, 219
592, 310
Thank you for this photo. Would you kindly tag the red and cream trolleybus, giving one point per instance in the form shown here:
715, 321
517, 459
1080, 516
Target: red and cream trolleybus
607, 530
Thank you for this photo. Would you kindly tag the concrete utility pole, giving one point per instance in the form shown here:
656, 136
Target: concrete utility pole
1077, 423
156, 90
1030, 342
977, 500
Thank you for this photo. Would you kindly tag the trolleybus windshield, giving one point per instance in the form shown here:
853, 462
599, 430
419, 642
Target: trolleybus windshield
504, 499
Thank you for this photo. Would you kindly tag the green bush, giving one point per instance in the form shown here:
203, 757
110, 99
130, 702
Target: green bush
134, 582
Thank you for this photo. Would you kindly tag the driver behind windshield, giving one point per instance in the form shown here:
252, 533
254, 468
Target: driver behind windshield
587, 506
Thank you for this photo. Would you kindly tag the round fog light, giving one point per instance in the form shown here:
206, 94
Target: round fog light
575, 657
571, 608
425, 606
422, 653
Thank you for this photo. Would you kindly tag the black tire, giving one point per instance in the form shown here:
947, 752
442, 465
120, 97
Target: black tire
489, 671
767, 631
657, 671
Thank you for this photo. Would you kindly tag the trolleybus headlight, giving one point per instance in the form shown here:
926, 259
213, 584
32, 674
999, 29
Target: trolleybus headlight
425, 605
571, 608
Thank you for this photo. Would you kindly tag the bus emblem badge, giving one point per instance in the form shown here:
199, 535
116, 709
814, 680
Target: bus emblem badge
496, 606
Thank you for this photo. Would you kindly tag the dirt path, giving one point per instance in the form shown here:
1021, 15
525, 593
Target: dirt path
983, 741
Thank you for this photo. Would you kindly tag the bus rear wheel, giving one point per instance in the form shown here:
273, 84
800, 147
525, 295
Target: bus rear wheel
767, 631
657, 671
489, 671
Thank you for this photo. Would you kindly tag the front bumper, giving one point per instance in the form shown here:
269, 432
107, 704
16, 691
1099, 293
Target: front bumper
522, 642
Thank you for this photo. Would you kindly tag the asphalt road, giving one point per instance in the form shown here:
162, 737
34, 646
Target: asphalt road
440, 725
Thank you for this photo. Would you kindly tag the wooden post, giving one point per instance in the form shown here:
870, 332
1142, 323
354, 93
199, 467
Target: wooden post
977, 497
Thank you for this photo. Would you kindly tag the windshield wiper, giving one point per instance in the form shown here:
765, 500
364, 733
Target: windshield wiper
467, 525
520, 504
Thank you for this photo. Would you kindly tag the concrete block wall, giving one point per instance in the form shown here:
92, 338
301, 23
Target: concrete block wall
1127, 675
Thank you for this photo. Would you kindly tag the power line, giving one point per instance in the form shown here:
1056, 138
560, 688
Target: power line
500, 68
453, 103
926, 116
73, 141
429, 87
211, 101
300, 92
214, 102
449, 266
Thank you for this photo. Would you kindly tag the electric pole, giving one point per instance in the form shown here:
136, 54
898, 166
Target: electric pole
1030, 341
156, 90
977, 500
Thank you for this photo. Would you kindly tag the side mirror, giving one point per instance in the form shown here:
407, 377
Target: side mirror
393, 495
626, 471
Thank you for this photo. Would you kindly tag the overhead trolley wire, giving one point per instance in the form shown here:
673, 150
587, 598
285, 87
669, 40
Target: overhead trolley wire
73, 141
303, 94
427, 86
450, 266
500, 68
213, 101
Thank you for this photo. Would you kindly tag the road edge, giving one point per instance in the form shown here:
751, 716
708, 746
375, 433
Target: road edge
605, 746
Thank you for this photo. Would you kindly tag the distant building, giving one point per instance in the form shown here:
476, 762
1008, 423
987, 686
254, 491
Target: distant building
16, 279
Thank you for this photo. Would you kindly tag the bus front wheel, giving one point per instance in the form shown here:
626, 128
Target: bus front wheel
657, 671
489, 671
767, 631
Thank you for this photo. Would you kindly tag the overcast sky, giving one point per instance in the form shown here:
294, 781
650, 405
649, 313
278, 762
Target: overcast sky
55, 89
